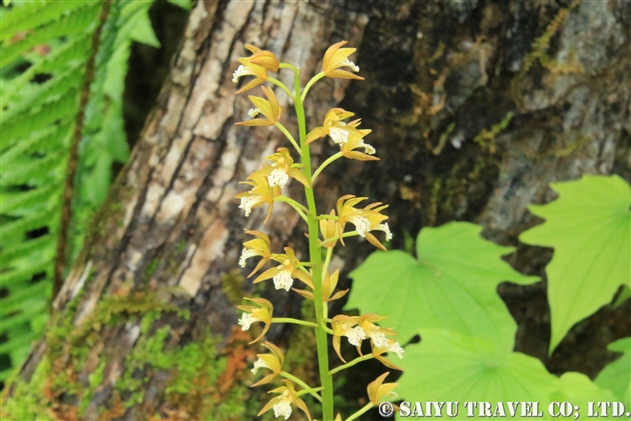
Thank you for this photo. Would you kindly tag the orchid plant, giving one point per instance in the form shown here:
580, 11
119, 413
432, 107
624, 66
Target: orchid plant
324, 233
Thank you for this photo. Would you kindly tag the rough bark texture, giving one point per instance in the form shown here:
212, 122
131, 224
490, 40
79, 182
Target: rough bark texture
166, 245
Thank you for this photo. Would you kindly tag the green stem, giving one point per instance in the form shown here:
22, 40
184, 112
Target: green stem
334, 239
325, 163
302, 384
281, 85
297, 206
293, 321
362, 411
310, 84
327, 260
311, 392
315, 257
351, 363
288, 136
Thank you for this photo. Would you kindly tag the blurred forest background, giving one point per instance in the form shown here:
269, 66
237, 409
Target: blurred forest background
120, 163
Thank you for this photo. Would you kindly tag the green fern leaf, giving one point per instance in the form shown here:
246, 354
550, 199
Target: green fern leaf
33, 170
32, 15
76, 21
41, 142
20, 295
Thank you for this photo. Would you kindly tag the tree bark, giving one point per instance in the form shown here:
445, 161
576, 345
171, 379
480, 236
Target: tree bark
163, 257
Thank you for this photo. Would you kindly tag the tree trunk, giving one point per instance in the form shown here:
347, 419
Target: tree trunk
144, 327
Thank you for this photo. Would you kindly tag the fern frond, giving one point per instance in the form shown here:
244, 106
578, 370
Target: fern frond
19, 228
60, 110
29, 173
79, 102
24, 274
73, 51
47, 92
34, 308
19, 347
18, 296
31, 15
26, 249
76, 21
16, 203
41, 142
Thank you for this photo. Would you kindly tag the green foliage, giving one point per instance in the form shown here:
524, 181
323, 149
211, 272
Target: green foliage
456, 367
449, 297
617, 375
454, 267
588, 226
37, 127
46, 45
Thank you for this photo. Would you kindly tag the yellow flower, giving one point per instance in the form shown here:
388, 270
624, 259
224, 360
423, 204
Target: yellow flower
377, 389
354, 141
256, 65
336, 57
260, 194
280, 170
329, 283
328, 228
262, 312
389, 346
260, 246
273, 361
333, 126
282, 403
284, 274
263, 58
268, 107
344, 134
376, 334
343, 325
365, 220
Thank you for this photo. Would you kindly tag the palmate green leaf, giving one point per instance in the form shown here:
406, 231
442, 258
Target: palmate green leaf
451, 367
452, 285
617, 375
625, 294
589, 228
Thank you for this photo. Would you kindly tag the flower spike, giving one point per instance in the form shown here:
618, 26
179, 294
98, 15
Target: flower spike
269, 108
260, 246
262, 312
336, 57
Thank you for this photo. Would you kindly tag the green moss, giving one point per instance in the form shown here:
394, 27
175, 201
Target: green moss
486, 138
26, 402
94, 380
232, 286
443, 139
